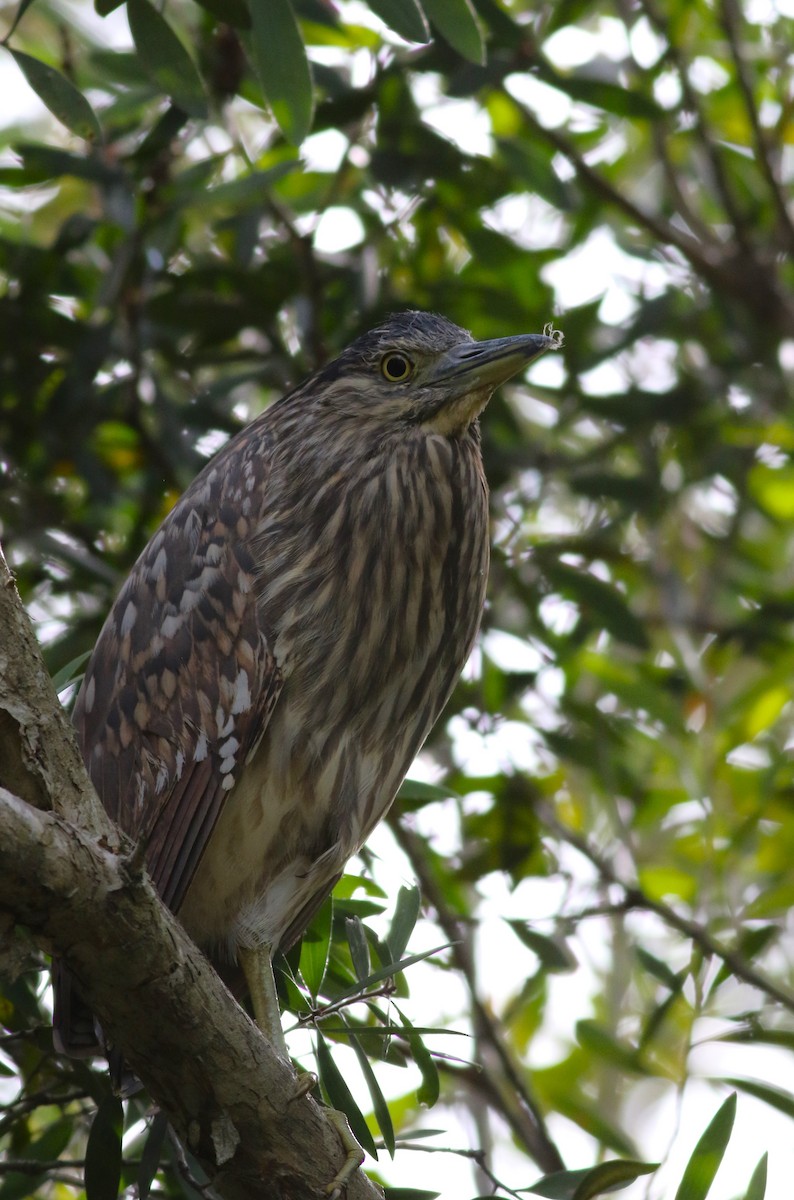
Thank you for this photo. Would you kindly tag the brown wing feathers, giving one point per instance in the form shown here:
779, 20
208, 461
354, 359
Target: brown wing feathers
180, 687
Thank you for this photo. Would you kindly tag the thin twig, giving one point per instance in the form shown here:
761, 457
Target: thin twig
637, 899
692, 101
731, 21
477, 1156
527, 1123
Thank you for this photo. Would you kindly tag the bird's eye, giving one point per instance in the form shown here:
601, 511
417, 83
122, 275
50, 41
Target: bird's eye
396, 367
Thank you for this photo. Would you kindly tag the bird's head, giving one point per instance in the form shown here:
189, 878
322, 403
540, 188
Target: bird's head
420, 369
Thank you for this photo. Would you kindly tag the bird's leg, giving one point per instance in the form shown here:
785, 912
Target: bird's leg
257, 967
354, 1155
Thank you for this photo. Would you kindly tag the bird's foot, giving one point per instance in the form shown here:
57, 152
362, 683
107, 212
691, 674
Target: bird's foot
305, 1083
354, 1155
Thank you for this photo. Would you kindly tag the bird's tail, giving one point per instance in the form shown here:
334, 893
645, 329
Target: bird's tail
75, 1030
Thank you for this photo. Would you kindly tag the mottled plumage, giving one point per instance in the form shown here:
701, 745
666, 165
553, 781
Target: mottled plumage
292, 631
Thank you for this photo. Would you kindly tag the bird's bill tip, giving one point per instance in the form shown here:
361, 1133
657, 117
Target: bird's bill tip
489, 363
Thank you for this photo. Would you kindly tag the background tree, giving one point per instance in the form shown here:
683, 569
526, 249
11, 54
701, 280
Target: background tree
601, 827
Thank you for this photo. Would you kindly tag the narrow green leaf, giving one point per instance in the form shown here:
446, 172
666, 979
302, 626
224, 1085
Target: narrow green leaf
164, 59
341, 1097
389, 970
24, 5
599, 600
756, 1189
554, 953
103, 1151
756, 1033
598, 1040
751, 943
428, 1091
359, 947
660, 970
60, 96
316, 948
708, 1154
70, 672
405, 916
599, 93
592, 1181
231, 12
415, 789
150, 1157
379, 1106
280, 60
533, 163
398, 1193
404, 17
775, 1097
455, 20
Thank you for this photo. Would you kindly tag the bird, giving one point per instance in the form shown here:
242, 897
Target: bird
289, 636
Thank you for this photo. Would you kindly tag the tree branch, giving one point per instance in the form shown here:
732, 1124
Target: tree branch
506, 1082
635, 898
230, 1098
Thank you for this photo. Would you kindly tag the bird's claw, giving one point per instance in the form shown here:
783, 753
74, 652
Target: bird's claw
354, 1155
305, 1083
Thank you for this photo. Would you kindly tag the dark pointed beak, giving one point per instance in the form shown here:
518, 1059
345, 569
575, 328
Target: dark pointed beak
474, 366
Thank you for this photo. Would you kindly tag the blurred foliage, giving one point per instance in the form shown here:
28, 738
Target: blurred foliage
614, 774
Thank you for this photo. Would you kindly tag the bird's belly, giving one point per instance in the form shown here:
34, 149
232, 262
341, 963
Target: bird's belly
286, 832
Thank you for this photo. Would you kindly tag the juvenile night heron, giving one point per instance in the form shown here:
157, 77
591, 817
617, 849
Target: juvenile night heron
290, 634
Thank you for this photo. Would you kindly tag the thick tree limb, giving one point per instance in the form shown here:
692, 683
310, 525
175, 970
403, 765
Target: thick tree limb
227, 1093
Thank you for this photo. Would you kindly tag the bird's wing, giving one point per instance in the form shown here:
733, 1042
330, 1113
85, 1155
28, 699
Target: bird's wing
181, 684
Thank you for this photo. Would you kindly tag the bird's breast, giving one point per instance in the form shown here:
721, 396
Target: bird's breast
370, 592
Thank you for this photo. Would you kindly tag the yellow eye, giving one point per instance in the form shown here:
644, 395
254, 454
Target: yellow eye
396, 367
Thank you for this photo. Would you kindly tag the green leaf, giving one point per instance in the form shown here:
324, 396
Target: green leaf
708, 1154
279, 57
757, 1033
428, 1091
773, 1096
756, 1189
426, 793
316, 948
397, 1193
359, 947
592, 1181
660, 970
405, 916
341, 1097
534, 164
455, 20
389, 970
404, 17
60, 96
596, 1039
70, 673
103, 1151
554, 953
150, 1157
24, 5
231, 12
379, 1106
599, 600
773, 489
165, 60
751, 943
612, 97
